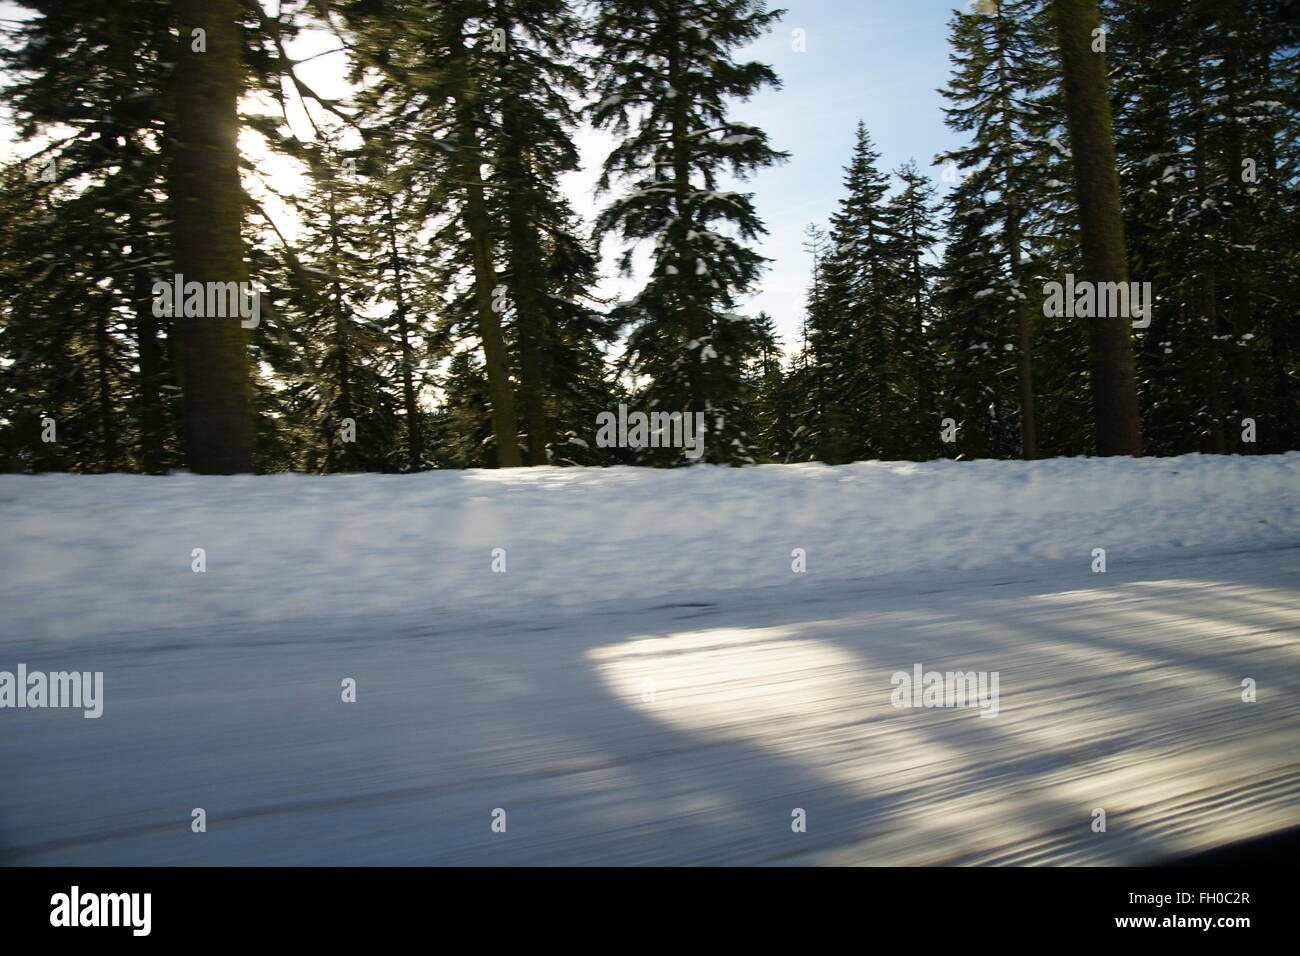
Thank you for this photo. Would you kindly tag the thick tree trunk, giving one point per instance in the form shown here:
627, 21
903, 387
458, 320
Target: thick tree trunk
207, 211
504, 427
1092, 145
505, 431
526, 277
531, 323
530, 301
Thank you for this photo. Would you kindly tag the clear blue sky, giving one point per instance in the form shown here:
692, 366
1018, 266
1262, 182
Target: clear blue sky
879, 61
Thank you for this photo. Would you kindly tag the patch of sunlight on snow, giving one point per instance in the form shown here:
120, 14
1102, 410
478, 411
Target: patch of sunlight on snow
941, 785
804, 699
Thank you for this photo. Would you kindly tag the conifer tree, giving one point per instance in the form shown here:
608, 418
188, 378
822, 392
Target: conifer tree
428, 109
854, 321
207, 208
548, 269
1204, 138
998, 76
665, 74
87, 87
65, 389
802, 386
913, 222
475, 103
1101, 224
349, 399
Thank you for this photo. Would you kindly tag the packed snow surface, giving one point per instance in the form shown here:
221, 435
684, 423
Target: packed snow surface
649, 681
88, 555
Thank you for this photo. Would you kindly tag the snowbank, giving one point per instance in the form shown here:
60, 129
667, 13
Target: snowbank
87, 555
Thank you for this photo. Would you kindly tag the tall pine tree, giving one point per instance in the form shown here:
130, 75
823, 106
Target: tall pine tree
665, 74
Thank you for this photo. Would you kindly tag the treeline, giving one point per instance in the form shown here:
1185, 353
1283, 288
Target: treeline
436, 306
1204, 98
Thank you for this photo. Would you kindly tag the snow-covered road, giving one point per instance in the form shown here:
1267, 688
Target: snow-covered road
690, 732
